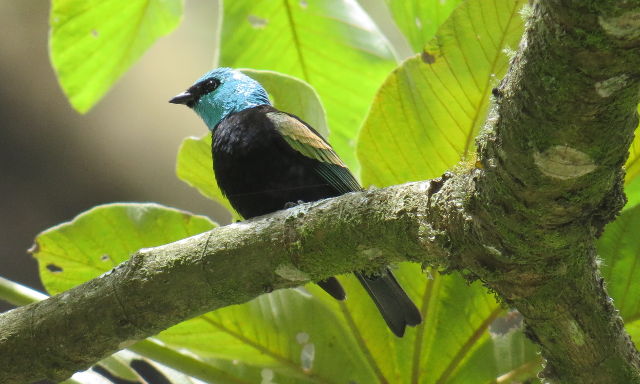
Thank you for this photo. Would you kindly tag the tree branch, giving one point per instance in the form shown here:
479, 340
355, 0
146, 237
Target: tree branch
160, 287
524, 222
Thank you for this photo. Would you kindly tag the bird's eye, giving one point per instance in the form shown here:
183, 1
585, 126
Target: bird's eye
210, 85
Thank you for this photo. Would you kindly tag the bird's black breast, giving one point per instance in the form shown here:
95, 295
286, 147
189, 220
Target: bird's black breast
257, 170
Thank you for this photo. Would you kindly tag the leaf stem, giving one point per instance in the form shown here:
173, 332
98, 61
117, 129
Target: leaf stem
18, 294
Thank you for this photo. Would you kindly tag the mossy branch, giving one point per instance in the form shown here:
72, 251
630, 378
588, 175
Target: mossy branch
159, 287
524, 221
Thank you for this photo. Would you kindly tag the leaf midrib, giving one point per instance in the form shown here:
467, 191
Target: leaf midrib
283, 360
296, 41
466, 347
484, 93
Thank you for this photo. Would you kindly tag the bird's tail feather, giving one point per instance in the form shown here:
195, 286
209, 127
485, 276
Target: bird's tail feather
332, 286
396, 307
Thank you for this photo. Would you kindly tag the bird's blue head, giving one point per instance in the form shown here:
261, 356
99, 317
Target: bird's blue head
221, 92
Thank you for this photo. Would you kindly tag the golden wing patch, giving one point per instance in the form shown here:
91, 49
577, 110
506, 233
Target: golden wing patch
303, 139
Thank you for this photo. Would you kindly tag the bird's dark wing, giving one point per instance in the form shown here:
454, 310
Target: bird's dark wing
304, 139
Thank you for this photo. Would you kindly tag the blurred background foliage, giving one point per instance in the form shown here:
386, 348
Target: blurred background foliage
55, 163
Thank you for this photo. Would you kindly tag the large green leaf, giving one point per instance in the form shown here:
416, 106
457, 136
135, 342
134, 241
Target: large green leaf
333, 45
632, 190
427, 113
633, 162
103, 237
419, 19
288, 331
619, 248
633, 327
452, 342
456, 319
93, 42
292, 94
349, 342
195, 165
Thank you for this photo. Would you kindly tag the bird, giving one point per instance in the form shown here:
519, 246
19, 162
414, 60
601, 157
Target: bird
265, 160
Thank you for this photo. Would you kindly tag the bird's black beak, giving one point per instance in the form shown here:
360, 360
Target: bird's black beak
183, 98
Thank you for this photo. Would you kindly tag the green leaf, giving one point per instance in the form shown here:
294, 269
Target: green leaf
619, 248
427, 113
633, 327
632, 190
292, 94
273, 331
287, 331
195, 165
93, 42
456, 317
118, 365
419, 19
99, 239
633, 162
333, 45
452, 339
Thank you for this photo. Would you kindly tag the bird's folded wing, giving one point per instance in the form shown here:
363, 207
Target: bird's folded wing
309, 143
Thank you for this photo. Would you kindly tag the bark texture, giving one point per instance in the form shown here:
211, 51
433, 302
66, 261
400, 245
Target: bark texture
553, 153
524, 221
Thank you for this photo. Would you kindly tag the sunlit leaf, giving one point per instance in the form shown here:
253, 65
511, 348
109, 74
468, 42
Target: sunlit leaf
632, 190
333, 45
195, 165
426, 115
97, 240
288, 331
419, 19
452, 343
619, 248
93, 42
118, 366
294, 96
633, 162
633, 327
456, 320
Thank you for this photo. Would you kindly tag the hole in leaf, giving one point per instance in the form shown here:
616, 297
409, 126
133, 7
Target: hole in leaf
504, 324
303, 4
105, 257
307, 355
94, 33
428, 58
257, 22
54, 268
267, 376
302, 337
